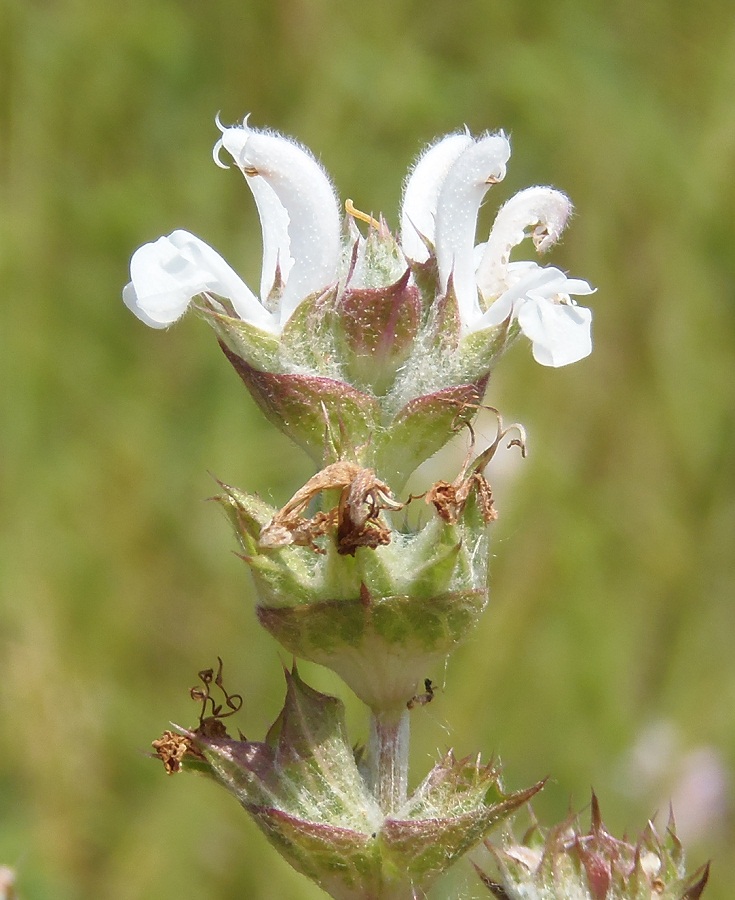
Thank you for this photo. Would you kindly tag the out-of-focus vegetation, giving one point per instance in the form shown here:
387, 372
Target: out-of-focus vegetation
607, 656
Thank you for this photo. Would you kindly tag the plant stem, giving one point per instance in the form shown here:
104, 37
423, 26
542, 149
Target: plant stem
387, 758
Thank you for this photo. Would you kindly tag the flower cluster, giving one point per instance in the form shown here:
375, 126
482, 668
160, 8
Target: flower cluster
360, 345
305, 253
569, 864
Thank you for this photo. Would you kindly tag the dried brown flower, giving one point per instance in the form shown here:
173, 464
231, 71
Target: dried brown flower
356, 517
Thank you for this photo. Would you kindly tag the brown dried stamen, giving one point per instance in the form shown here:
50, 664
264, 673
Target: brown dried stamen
356, 517
204, 696
171, 748
450, 499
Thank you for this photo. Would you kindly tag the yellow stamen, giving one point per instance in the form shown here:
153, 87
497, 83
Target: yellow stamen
353, 211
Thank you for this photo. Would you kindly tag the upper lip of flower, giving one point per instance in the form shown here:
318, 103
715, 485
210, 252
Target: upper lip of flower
300, 221
299, 212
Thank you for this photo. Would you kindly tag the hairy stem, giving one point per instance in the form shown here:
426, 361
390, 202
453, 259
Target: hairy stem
387, 758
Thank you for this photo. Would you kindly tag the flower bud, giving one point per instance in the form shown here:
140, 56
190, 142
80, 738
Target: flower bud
566, 864
377, 328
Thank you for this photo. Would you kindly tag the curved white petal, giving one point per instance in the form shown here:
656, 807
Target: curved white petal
576, 286
274, 223
526, 277
274, 219
130, 299
560, 332
306, 194
478, 167
168, 273
540, 212
421, 193
529, 281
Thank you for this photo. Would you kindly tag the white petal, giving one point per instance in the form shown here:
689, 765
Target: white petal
576, 286
421, 193
528, 277
543, 210
551, 288
168, 273
130, 299
274, 219
560, 333
468, 180
304, 191
276, 242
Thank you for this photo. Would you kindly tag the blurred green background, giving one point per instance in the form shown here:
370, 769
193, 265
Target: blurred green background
607, 655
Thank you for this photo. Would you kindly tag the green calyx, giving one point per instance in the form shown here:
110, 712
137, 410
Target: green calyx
381, 647
382, 616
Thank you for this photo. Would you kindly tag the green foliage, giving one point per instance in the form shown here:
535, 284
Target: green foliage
613, 583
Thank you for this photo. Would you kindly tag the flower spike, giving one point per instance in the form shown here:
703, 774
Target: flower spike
370, 353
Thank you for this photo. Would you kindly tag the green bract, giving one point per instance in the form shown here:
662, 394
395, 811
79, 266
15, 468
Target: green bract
305, 791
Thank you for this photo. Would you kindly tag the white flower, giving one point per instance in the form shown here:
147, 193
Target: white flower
441, 201
300, 220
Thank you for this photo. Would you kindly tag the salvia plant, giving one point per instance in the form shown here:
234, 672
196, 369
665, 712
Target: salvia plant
371, 351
